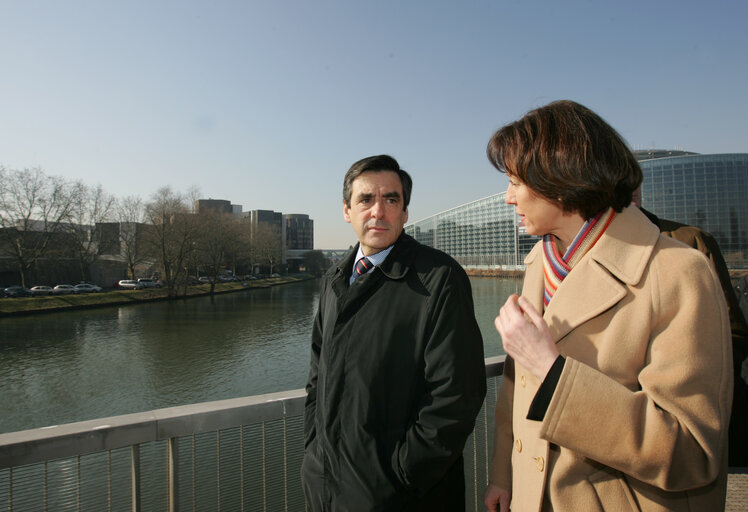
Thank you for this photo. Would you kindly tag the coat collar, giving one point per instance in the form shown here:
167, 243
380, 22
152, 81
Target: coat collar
601, 277
395, 266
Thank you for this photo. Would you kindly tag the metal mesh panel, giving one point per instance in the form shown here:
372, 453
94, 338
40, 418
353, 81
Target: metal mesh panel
89, 482
248, 468
295, 436
275, 467
153, 477
101, 475
479, 450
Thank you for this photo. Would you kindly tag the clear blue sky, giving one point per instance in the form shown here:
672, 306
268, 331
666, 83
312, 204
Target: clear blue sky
267, 104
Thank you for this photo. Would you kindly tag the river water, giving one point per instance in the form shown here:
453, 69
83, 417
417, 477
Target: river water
78, 365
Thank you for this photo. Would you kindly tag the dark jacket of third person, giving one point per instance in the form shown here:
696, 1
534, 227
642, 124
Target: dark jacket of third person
397, 378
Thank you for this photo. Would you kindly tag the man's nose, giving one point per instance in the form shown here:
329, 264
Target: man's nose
377, 211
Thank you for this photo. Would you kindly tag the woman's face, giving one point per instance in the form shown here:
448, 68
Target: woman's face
537, 214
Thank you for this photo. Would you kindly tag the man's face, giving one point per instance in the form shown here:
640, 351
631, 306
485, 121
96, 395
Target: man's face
376, 211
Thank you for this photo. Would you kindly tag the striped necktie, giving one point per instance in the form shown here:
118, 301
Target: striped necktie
363, 266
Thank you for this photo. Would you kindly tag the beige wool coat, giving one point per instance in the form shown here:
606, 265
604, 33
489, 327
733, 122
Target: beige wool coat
638, 420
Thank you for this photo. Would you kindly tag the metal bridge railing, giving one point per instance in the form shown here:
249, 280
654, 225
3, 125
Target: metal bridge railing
241, 454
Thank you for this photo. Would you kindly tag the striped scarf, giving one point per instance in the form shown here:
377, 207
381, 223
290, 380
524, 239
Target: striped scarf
555, 267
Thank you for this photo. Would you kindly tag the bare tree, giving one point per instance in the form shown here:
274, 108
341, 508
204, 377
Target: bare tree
91, 206
130, 213
266, 245
315, 262
173, 235
218, 242
34, 208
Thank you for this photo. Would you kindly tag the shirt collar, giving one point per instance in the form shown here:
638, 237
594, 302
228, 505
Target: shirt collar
376, 259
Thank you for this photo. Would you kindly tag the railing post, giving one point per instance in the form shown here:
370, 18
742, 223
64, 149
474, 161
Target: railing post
173, 454
135, 476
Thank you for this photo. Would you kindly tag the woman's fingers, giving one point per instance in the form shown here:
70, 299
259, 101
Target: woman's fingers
525, 336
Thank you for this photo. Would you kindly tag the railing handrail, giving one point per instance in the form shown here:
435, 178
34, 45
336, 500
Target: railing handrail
72, 439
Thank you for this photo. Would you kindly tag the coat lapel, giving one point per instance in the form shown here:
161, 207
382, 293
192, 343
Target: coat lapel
586, 292
600, 279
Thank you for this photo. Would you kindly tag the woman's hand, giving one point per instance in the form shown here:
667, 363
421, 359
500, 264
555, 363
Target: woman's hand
496, 499
525, 336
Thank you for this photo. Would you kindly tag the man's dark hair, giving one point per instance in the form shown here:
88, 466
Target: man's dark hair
377, 163
569, 155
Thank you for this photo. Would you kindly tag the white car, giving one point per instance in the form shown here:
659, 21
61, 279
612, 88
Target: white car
87, 288
130, 284
63, 289
149, 283
41, 290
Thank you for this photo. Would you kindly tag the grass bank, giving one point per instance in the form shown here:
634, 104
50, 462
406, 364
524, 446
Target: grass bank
51, 303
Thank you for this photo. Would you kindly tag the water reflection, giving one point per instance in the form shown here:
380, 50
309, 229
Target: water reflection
77, 365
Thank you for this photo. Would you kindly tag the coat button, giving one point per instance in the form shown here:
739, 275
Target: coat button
522, 380
540, 463
518, 445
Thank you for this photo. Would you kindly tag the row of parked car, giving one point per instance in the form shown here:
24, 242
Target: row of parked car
67, 289
60, 289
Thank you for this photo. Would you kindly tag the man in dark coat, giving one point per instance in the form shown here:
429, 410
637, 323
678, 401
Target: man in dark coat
704, 242
397, 372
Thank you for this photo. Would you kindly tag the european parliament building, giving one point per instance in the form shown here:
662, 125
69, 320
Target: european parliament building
708, 191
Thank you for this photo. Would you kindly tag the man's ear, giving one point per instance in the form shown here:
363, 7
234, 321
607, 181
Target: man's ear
346, 212
405, 215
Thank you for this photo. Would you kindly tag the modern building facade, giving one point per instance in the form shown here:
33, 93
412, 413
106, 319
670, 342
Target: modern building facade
299, 231
213, 205
264, 222
707, 191
481, 234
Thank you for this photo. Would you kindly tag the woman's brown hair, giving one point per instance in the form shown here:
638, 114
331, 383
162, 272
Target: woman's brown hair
568, 154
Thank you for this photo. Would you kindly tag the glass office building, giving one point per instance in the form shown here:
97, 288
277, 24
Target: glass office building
707, 191
481, 234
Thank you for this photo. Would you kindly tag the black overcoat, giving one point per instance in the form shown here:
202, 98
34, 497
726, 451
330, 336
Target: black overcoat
397, 378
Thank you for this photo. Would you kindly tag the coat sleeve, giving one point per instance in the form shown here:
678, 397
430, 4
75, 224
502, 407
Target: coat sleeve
310, 405
501, 466
455, 386
670, 430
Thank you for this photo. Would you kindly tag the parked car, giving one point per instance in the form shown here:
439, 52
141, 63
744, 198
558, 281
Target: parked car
15, 291
205, 279
130, 284
87, 288
63, 289
40, 290
149, 283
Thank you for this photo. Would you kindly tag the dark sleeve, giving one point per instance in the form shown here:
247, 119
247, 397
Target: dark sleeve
545, 392
310, 405
454, 388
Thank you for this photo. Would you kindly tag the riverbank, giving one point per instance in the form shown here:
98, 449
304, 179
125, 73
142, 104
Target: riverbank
494, 272
53, 303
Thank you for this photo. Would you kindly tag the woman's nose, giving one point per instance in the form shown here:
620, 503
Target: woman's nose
509, 196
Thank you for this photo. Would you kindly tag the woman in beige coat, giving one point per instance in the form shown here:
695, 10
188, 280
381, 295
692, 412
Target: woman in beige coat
617, 385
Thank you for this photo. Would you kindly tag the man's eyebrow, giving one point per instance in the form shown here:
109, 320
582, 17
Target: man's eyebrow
395, 195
